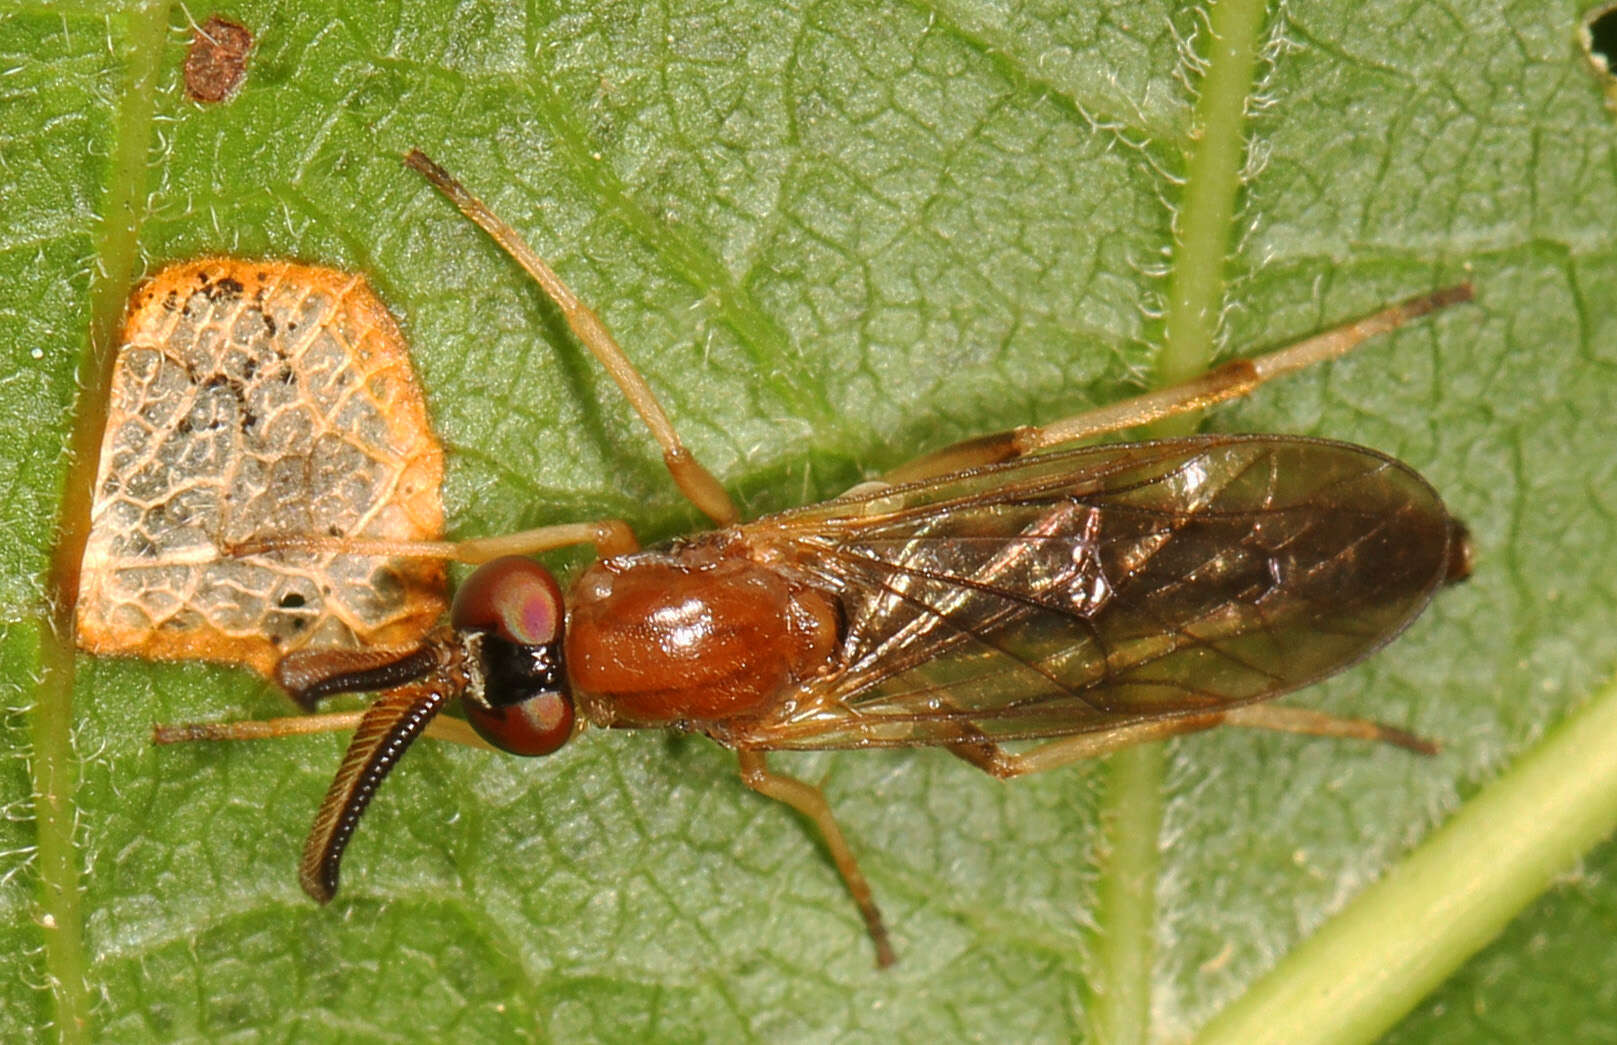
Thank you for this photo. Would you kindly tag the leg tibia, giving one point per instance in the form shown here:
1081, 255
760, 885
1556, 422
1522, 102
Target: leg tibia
995, 760
810, 801
1234, 379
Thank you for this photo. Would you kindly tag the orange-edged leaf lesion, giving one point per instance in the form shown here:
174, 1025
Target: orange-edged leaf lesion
254, 399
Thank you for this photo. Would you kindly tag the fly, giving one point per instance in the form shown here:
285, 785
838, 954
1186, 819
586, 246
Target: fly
998, 591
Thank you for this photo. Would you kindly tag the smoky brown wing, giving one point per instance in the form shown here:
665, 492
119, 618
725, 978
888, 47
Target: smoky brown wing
1073, 592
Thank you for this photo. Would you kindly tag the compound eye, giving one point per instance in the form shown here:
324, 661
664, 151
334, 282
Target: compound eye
516, 605
513, 598
536, 726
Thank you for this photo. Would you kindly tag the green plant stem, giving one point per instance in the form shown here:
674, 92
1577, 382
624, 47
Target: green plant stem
1374, 961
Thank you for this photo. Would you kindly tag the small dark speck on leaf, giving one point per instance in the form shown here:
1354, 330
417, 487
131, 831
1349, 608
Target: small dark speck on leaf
216, 64
1597, 34
226, 289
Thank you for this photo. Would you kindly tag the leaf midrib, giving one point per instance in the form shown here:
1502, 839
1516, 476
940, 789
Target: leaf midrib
52, 766
1132, 809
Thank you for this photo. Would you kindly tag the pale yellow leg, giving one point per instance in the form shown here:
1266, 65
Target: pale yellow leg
1284, 719
810, 801
451, 729
996, 761
1234, 379
693, 480
609, 537
993, 759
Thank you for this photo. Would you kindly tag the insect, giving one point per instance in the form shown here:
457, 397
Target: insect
1001, 590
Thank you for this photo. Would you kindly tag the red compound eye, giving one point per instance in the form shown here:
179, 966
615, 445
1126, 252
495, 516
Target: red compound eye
523, 706
514, 598
536, 726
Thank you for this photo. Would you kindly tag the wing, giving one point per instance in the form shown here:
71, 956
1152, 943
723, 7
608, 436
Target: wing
1074, 592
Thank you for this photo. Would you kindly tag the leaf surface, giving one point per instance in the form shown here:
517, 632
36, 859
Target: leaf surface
833, 237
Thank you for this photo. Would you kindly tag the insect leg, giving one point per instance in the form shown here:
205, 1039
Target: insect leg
991, 758
1232, 380
450, 729
1285, 719
810, 801
609, 536
693, 480
994, 760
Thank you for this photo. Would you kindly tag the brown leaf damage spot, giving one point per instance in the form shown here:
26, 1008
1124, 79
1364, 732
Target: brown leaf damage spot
253, 400
216, 64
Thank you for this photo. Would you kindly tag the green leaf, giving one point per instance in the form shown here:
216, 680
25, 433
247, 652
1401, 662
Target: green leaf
833, 237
